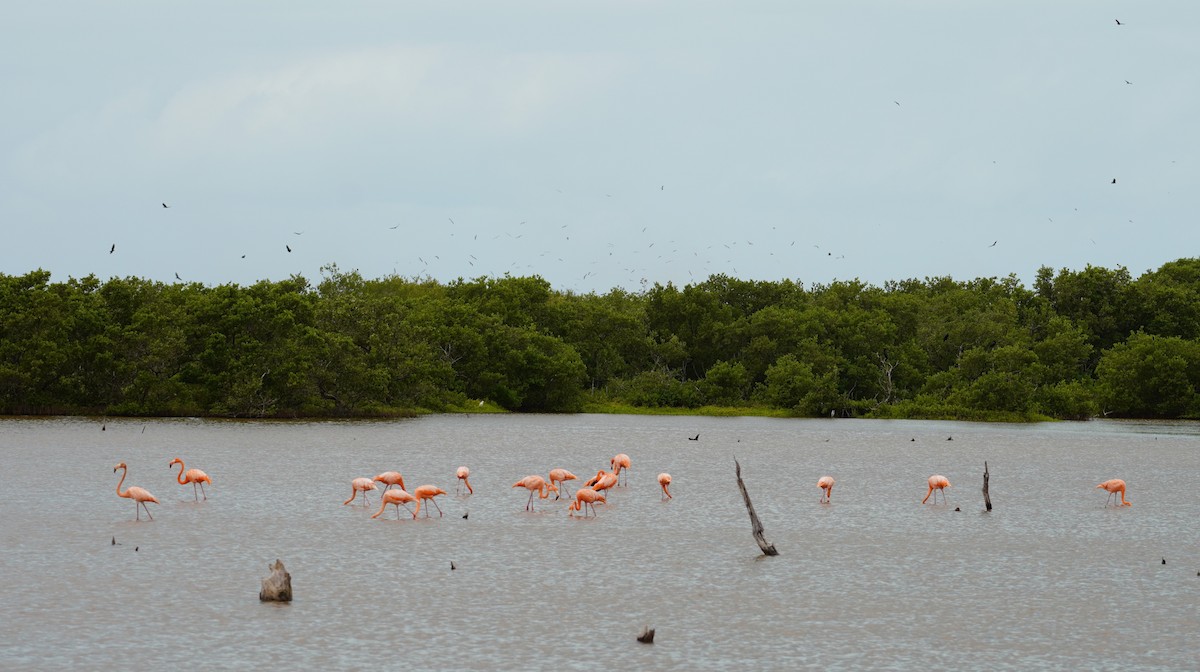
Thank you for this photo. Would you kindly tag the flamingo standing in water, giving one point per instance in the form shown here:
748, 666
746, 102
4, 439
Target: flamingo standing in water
558, 477
428, 492
389, 479
193, 476
462, 474
360, 485
396, 497
825, 483
664, 479
1113, 487
939, 483
536, 484
585, 497
620, 463
139, 495
605, 480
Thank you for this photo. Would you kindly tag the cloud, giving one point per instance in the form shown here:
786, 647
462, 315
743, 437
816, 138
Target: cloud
384, 93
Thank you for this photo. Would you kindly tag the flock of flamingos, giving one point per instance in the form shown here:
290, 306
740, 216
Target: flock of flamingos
585, 497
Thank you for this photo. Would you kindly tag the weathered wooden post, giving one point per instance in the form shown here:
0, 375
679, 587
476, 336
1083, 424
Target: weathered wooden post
278, 586
987, 500
767, 547
647, 636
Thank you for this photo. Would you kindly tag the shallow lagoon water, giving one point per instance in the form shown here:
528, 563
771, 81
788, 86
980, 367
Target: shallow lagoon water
1051, 579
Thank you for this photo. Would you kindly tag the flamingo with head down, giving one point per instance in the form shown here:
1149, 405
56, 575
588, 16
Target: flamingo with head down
584, 498
620, 463
426, 493
1115, 486
664, 479
462, 474
535, 484
390, 479
825, 483
360, 485
937, 483
396, 497
558, 477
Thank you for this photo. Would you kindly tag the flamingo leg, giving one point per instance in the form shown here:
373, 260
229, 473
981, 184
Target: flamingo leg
203, 492
529, 504
435, 505
147, 510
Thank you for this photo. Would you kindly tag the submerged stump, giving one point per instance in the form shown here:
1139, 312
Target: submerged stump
278, 586
647, 636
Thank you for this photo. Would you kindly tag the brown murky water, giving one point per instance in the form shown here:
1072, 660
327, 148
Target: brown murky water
1049, 580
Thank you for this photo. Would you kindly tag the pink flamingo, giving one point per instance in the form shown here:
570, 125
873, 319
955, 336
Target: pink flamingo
139, 495
193, 476
428, 492
664, 479
605, 480
389, 479
825, 483
558, 477
585, 497
939, 483
620, 463
360, 485
462, 474
1113, 487
396, 497
536, 484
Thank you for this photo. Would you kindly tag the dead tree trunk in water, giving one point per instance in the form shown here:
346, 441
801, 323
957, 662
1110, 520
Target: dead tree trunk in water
278, 586
767, 547
987, 501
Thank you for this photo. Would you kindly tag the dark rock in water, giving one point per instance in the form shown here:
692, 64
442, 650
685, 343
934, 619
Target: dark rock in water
452, 567
647, 636
957, 509
278, 586
1164, 561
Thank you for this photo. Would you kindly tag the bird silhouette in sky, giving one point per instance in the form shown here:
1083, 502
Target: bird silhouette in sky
1118, 22
289, 248
1114, 180
165, 205
177, 277
112, 249
993, 243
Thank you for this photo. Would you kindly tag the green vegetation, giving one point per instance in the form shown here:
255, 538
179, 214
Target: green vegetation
1076, 345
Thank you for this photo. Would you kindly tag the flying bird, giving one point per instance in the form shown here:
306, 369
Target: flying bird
289, 247
1114, 181
177, 277
112, 249
993, 243
165, 205
1118, 22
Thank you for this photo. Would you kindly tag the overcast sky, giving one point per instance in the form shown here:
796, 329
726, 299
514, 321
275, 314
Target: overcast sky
598, 144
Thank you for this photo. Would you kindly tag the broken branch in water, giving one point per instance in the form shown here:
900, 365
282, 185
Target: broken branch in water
767, 547
987, 501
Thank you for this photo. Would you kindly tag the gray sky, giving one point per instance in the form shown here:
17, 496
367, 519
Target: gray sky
598, 144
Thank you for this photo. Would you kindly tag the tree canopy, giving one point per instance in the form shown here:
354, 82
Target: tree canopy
1078, 344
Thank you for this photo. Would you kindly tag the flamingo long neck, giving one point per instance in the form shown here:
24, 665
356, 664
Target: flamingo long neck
124, 473
180, 479
419, 500
382, 506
